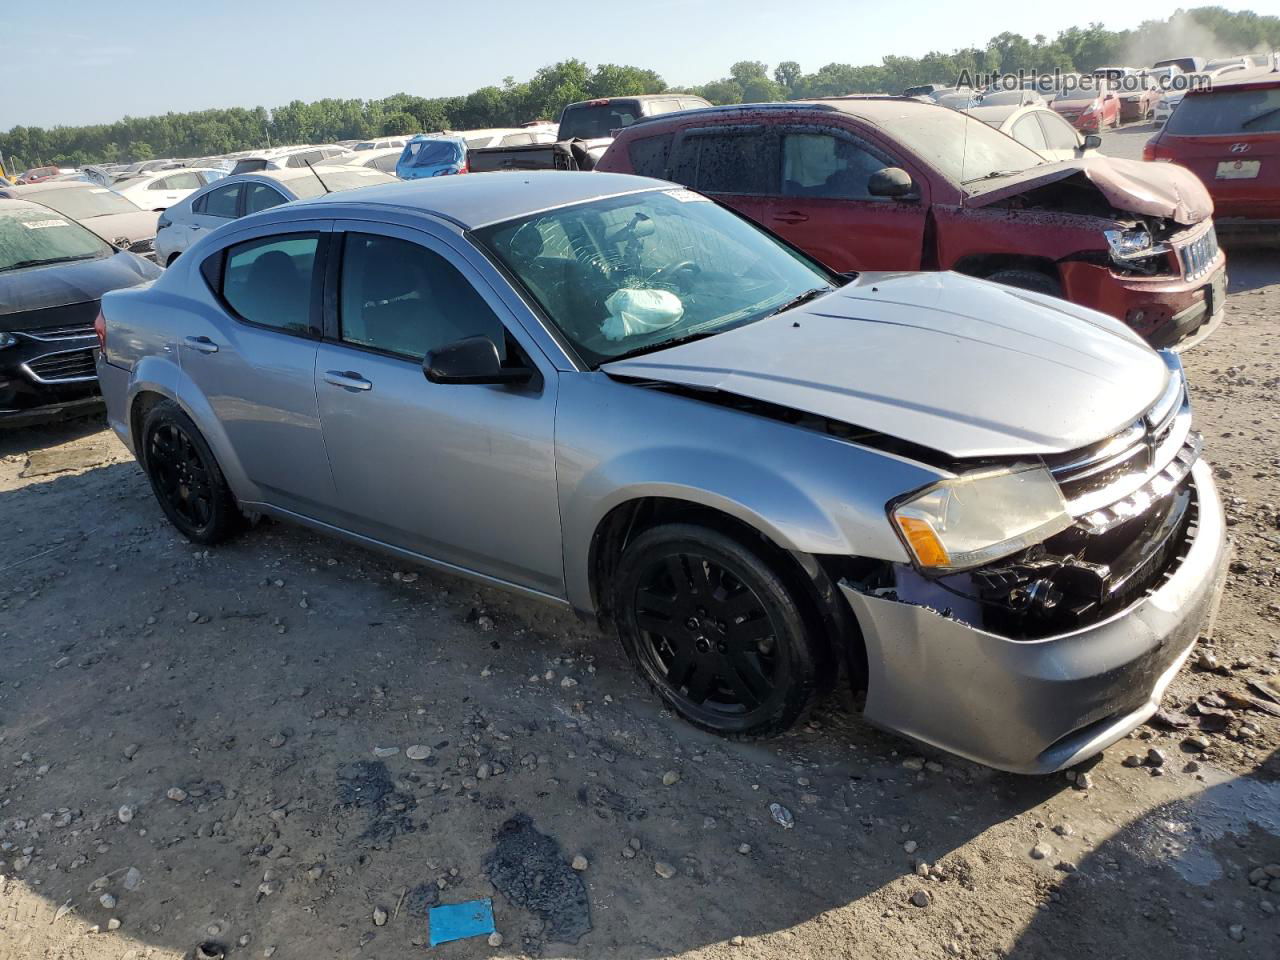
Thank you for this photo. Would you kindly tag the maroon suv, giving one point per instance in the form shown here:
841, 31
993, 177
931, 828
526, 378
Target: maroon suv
887, 183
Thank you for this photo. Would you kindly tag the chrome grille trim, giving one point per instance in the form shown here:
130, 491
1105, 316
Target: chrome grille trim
1199, 255
75, 331
1140, 500
65, 366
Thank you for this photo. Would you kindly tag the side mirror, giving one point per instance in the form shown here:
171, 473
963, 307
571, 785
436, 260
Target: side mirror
1091, 142
471, 360
891, 182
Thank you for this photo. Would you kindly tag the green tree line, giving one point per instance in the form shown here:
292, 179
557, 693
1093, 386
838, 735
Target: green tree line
1201, 31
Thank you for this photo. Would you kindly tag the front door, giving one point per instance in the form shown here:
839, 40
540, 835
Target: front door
461, 473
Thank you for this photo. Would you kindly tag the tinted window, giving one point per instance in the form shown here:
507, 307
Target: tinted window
822, 165
302, 159
249, 166
589, 122
262, 197
1058, 134
386, 164
732, 162
649, 156
400, 297
1028, 133
1227, 112
219, 203
270, 281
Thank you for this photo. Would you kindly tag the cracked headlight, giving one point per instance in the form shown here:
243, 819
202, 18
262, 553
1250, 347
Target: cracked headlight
7, 339
1133, 244
976, 519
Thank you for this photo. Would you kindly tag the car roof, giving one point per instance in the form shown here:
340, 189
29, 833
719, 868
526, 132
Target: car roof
877, 108
482, 199
44, 185
1254, 79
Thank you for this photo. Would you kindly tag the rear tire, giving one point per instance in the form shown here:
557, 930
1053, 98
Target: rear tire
715, 630
1032, 280
185, 477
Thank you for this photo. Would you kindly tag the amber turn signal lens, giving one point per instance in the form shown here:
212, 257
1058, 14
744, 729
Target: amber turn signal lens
923, 541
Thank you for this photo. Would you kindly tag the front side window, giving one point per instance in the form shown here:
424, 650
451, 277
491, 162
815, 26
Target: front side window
1027, 132
1058, 134
823, 165
38, 237
736, 162
402, 298
625, 275
272, 281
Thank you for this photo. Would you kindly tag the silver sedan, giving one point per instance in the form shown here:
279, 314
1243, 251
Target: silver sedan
987, 506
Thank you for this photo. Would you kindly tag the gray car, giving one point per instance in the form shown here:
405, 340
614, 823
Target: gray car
612, 394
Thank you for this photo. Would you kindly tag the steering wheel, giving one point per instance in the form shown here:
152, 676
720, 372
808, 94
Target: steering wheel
671, 269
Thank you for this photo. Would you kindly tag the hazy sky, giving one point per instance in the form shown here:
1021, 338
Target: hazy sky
86, 62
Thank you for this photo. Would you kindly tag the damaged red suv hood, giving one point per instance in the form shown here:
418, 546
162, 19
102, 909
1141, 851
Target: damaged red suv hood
1149, 189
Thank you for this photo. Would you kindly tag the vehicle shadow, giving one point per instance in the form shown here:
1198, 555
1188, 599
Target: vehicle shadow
1250, 268
1175, 882
40, 437
209, 719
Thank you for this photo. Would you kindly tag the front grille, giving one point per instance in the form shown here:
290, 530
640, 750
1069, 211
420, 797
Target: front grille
72, 331
1119, 478
1198, 255
68, 366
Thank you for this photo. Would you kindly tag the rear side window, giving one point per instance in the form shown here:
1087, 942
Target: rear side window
219, 203
402, 298
737, 161
824, 165
649, 156
273, 281
262, 197
1027, 132
1224, 113
302, 159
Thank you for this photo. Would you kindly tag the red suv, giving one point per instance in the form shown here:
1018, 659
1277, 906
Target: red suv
887, 183
1229, 135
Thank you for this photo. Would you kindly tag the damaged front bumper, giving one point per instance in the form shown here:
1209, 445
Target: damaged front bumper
1038, 705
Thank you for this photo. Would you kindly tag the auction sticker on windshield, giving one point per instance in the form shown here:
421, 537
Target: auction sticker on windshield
41, 224
1238, 169
687, 196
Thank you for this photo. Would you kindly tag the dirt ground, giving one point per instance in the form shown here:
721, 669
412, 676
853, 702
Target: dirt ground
214, 746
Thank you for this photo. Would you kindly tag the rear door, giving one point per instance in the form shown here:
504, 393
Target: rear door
1230, 138
461, 473
826, 208
735, 163
254, 360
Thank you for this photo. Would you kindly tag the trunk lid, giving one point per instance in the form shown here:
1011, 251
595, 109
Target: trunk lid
959, 365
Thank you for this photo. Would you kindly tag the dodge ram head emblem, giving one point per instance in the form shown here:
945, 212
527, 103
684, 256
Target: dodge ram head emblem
1240, 148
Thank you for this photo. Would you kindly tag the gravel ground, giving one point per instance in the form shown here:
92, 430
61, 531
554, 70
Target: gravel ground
293, 748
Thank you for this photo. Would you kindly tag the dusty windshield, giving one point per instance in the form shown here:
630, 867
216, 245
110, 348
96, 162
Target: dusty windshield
963, 149
629, 274
87, 203
35, 236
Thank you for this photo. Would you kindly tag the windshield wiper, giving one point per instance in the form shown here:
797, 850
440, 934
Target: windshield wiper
673, 342
40, 263
800, 299
991, 176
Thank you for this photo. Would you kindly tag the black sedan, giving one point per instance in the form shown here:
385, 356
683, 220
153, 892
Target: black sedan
52, 274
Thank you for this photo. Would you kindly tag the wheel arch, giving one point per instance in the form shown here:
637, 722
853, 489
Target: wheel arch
984, 264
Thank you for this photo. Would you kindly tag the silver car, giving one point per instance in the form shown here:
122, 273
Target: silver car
612, 394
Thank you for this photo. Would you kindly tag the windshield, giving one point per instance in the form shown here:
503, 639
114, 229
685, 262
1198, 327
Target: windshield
961, 148
631, 274
1225, 113
1080, 93
1002, 98
589, 121
428, 153
85, 204
34, 236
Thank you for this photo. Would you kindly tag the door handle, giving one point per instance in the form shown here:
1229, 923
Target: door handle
347, 379
792, 216
202, 344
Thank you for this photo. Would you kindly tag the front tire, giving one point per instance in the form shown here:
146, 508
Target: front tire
716, 631
185, 477
1027, 280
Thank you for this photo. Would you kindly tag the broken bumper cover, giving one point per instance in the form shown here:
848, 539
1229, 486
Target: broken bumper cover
1036, 706
1162, 310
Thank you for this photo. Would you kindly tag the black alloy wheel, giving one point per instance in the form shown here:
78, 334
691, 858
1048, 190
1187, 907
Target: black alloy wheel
715, 631
185, 476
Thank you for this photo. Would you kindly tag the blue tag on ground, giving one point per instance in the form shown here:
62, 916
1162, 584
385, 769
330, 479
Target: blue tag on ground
457, 921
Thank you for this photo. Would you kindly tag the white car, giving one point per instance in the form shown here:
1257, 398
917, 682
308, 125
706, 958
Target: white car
385, 143
242, 194
161, 190
383, 159
282, 158
503, 137
1039, 128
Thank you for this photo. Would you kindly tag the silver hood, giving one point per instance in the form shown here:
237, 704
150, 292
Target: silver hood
962, 366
